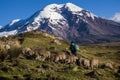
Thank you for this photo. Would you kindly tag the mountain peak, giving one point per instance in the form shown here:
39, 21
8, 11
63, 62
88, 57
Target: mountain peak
56, 7
53, 7
72, 7
49, 12
54, 11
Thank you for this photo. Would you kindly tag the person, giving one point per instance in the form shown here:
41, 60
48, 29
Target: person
73, 48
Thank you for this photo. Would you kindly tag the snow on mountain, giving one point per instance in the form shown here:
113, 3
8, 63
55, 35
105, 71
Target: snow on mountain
51, 12
67, 21
72, 7
116, 17
6, 34
91, 15
14, 21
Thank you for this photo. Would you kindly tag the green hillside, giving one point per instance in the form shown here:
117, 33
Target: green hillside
18, 64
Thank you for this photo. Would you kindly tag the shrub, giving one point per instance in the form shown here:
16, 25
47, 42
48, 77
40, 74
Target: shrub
14, 52
3, 51
3, 55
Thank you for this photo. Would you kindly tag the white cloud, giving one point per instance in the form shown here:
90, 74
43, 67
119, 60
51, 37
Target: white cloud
116, 17
0, 27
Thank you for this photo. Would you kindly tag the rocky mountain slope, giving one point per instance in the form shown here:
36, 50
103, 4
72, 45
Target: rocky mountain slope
69, 22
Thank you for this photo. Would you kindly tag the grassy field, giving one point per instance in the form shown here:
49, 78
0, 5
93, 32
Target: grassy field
30, 69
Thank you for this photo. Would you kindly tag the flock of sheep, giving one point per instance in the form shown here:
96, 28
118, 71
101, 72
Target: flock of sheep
57, 57
62, 57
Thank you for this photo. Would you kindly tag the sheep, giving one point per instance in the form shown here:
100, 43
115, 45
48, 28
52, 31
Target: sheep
43, 53
56, 42
40, 58
80, 61
109, 65
60, 56
71, 59
46, 54
94, 63
28, 53
26, 50
84, 62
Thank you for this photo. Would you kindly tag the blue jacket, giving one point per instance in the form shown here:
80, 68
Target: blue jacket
73, 48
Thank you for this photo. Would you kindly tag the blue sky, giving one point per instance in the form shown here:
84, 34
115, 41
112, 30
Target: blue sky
14, 9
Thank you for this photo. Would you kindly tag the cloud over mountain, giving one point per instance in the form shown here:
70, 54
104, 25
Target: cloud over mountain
0, 27
116, 17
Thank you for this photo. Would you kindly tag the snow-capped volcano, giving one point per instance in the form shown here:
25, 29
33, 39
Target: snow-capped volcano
67, 21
